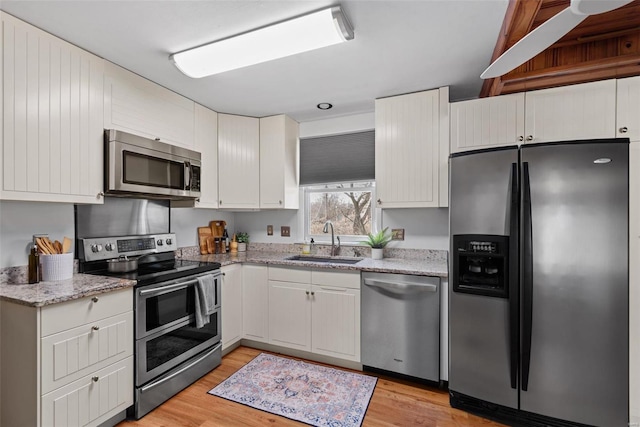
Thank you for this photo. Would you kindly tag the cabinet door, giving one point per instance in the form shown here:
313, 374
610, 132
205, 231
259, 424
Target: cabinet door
52, 143
231, 304
206, 142
407, 150
279, 165
583, 111
335, 322
255, 302
136, 105
628, 108
70, 355
238, 162
92, 400
487, 122
290, 315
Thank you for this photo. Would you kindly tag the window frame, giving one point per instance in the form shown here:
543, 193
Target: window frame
347, 239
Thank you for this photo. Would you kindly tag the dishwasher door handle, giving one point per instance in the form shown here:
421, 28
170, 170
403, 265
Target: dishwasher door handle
401, 287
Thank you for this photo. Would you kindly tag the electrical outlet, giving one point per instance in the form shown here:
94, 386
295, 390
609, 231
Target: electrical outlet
397, 234
285, 231
269, 230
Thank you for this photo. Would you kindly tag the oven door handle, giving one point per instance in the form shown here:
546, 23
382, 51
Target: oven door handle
165, 288
189, 366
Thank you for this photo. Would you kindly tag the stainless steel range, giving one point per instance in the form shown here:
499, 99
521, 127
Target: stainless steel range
170, 351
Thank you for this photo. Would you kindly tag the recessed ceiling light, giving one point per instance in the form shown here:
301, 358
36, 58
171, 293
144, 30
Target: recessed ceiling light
325, 106
319, 29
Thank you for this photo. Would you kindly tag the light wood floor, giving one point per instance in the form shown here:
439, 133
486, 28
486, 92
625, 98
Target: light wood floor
394, 403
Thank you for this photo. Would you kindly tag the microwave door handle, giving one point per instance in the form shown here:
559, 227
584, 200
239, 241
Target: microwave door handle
187, 176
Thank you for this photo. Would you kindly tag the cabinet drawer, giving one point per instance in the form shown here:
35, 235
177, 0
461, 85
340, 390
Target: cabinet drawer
92, 399
75, 353
290, 274
342, 279
67, 315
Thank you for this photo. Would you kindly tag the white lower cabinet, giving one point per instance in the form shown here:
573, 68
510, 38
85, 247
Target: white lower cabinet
290, 314
68, 364
255, 302
92, 399
231, 304
315, 310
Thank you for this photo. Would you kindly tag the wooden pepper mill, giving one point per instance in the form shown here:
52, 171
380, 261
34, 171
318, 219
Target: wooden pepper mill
233, 245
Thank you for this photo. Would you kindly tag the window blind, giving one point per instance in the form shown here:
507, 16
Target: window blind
337, 158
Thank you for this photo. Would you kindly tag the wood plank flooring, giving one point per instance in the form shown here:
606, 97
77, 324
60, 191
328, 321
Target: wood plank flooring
394, 403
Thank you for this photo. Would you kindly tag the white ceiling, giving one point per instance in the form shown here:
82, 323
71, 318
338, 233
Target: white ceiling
399, 47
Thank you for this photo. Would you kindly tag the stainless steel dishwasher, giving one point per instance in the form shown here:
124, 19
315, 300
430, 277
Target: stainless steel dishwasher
401, 324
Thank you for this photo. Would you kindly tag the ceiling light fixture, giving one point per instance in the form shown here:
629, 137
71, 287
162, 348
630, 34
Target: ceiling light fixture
324, 106
315, 30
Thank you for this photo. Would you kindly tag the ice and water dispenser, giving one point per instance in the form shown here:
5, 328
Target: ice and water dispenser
481, 264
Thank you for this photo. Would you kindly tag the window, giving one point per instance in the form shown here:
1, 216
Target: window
347, 161
347, 205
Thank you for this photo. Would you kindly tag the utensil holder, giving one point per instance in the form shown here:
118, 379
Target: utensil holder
56, 267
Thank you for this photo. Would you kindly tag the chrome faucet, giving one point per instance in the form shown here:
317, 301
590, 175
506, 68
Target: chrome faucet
334, 248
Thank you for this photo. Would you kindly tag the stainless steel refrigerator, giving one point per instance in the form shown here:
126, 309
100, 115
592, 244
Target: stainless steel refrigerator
538, 311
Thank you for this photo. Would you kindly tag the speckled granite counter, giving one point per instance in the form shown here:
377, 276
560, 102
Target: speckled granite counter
14, 288
435, 266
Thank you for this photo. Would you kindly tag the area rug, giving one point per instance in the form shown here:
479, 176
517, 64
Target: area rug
313, 394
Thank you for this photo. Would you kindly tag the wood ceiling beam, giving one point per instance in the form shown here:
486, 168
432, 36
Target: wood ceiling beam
518, 21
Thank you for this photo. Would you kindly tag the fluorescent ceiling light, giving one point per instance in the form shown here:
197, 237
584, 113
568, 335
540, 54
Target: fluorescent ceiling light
319, 29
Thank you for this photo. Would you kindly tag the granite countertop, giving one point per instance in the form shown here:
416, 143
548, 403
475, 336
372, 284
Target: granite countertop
14, 286
46, 293
435, 267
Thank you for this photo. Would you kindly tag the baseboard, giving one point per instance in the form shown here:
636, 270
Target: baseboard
302, 354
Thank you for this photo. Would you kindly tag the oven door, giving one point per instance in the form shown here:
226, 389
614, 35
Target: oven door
166, 332
164, 305
172, 346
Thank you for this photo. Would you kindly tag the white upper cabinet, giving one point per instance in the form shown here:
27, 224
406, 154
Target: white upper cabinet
238, 162
139, 106
584, 111
628, 109
487, 122
52, 118
206, 142
410, 151
279, 164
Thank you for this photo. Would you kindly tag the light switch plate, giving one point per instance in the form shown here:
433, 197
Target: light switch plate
397, 234
285, 231
269, 230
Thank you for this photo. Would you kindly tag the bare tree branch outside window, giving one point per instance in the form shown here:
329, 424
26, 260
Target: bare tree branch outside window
348, 210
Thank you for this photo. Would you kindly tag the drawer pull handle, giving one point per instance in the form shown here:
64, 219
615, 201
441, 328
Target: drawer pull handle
530, 138
94, 299
95, 379
521, 138
95, 328
623, 129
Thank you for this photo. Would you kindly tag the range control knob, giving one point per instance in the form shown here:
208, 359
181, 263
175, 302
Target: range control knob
96, 248
159, 242
169, 241
109, 246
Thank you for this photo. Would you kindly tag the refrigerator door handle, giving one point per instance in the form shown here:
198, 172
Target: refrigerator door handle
527, 275
514, 301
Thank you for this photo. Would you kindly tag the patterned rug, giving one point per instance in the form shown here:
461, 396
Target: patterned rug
316, 395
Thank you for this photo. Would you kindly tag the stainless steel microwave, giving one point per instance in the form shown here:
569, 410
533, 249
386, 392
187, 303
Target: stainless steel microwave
139, 166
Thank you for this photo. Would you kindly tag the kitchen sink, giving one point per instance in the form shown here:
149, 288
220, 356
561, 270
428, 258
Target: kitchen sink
325, 260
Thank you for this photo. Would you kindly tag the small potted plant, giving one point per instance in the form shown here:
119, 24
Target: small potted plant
377, 242
243, 239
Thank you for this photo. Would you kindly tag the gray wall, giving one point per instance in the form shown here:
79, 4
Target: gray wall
185, 223
19, 221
